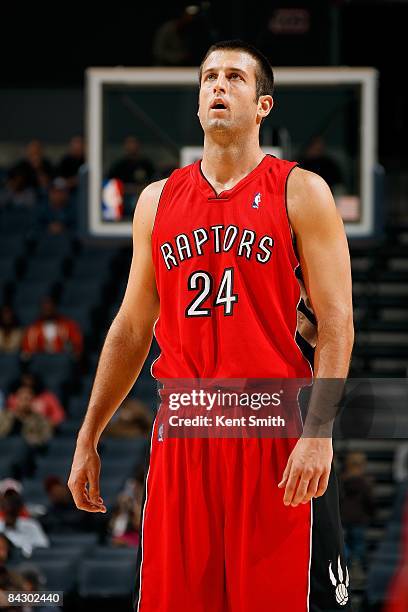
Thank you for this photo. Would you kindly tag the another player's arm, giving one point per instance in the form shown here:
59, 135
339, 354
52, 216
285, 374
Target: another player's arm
124, 352
325, 262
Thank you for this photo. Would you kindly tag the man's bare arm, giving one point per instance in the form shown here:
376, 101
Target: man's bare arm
124, 352
325, 262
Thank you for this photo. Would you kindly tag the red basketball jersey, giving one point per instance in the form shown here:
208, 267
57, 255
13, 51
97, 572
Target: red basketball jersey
225, 273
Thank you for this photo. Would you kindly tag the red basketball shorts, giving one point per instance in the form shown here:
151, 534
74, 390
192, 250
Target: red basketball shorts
217, 537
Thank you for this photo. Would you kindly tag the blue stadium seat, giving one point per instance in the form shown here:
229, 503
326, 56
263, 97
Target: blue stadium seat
28, 313
114, 553
57, 247
60, 448
70, 553
17, 221
11, 247
7, 270
53, 466
123, 468
120, 447
43, 269
60, 574
92, 265
82, 292
110, 487
6, 467
9, 368
106, 578
70, 427
34, 492
85, 540
31, 293
77, 407
14, 448
79, 313
52, 365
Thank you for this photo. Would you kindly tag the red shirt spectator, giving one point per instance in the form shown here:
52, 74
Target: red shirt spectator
45, 403
52, 333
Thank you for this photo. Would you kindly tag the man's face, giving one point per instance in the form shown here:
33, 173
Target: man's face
24, 398
227, 100
4, 550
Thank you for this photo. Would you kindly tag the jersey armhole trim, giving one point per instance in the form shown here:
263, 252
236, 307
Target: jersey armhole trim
292, 237
167, 187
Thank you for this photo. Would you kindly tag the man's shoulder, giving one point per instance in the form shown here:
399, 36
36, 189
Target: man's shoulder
153, 190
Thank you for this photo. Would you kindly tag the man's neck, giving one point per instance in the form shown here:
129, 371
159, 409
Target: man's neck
224, 165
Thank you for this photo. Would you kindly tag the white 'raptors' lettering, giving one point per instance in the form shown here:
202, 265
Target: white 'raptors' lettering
217, 239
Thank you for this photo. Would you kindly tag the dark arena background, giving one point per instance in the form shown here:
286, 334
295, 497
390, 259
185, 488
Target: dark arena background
98, 101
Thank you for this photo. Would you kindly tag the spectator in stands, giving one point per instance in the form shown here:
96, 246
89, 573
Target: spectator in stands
124, 525
10, 580
56, 211
35, 580
10, 484
18, 190
35, 169
10, 331
317, 159
184, 40
62, 516
52, 333
45, 402
70, 164
25, 533
357, 508
133, 169
131, 420
5, 549
34, 428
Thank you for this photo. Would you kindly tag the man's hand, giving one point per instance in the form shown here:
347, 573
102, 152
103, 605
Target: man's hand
307, 472
86, 467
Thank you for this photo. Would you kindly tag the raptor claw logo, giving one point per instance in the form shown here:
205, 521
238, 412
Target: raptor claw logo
341, 587
257, 200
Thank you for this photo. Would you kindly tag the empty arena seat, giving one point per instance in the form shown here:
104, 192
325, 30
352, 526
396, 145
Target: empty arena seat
9, 368
77, 407
57, 247
106, 578
82, 292
51, 364
31, 293
79, 313
60, 449
86, 541
43, 269
7, 270
70, 427
66, 553
60, 573
123, 468
11, 246
28, 313
53, 466
34, 492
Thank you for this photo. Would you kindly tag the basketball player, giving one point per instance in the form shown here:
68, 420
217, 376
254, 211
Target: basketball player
247, 524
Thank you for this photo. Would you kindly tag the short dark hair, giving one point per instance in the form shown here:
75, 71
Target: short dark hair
264, 75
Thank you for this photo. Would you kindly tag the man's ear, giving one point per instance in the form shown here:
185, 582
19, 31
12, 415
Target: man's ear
265, 105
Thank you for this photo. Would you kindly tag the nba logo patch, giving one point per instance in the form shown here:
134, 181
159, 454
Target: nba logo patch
257, 200
160, 433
